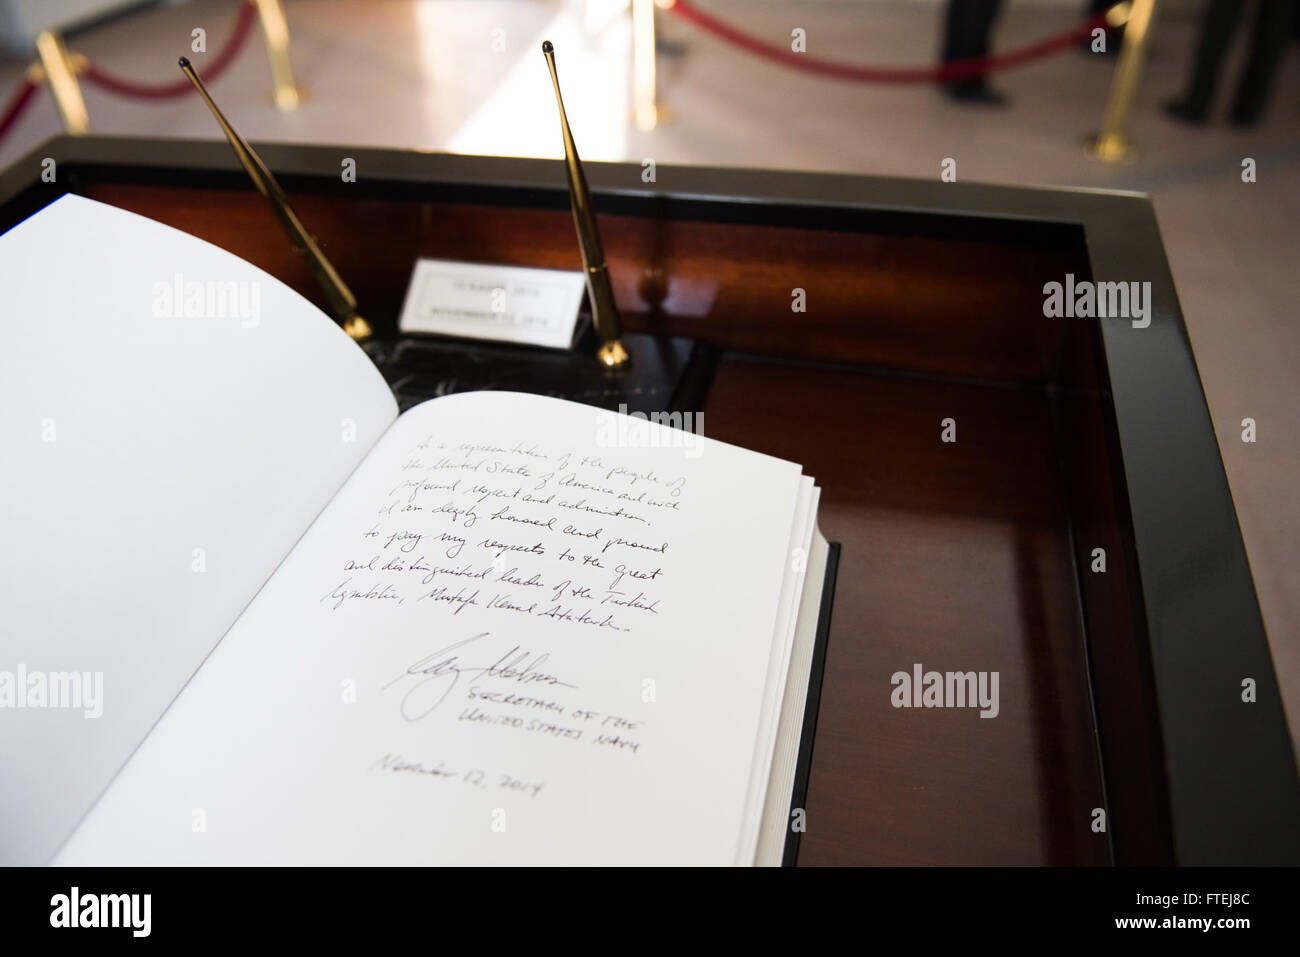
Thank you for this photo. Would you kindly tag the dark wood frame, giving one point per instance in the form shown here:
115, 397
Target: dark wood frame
1190, 774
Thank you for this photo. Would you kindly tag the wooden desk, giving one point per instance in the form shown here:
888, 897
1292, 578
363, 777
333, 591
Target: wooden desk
1119, 690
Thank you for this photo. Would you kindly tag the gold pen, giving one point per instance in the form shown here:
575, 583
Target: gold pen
342, 303
604, 313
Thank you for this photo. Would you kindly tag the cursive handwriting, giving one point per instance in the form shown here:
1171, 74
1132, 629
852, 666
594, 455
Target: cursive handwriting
430, 679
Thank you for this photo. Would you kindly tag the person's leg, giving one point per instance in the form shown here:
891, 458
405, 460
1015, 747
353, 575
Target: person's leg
967, 26
1218, 24
1268, 42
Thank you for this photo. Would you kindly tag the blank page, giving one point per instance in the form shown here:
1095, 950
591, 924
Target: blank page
173, 420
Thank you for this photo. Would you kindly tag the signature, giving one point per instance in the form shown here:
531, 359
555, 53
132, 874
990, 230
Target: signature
432, 678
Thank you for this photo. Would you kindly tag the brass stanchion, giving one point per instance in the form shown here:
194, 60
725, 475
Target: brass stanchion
287, 96
1112, 143
644, 93
59, 69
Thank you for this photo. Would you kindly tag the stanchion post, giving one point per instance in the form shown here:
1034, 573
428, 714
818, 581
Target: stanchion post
275, 28
59, 71
647, 114
1112, 144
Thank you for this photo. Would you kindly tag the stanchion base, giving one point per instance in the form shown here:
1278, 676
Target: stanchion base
289, 99
1110, 148
646, 123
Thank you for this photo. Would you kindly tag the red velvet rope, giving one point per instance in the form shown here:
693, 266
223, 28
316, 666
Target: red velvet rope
14, 108
211, 70
956, 70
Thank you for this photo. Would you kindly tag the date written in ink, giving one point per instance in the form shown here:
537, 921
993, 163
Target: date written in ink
474, 777
487, 781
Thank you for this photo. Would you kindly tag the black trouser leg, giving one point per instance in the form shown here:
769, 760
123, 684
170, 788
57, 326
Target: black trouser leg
1218, 25
966, 33
1268, 42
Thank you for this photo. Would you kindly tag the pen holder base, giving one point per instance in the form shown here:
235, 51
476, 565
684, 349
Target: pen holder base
666, 373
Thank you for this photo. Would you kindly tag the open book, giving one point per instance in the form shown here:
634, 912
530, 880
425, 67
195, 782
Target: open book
253, 615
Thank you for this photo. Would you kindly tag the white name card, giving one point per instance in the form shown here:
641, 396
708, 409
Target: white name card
505, 303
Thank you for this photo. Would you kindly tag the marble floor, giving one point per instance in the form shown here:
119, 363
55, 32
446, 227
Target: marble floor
461, 75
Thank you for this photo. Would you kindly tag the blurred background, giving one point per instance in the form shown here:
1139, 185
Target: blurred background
802, 84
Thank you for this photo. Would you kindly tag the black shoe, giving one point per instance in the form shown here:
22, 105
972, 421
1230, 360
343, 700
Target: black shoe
1181, 111
978, 93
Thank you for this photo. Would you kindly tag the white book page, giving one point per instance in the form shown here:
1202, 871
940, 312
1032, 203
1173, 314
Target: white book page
778, 668
159, 462
777, 809
512, 637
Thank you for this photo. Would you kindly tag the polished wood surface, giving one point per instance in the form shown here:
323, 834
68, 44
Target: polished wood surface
1124, 700
955, 556
938, 305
